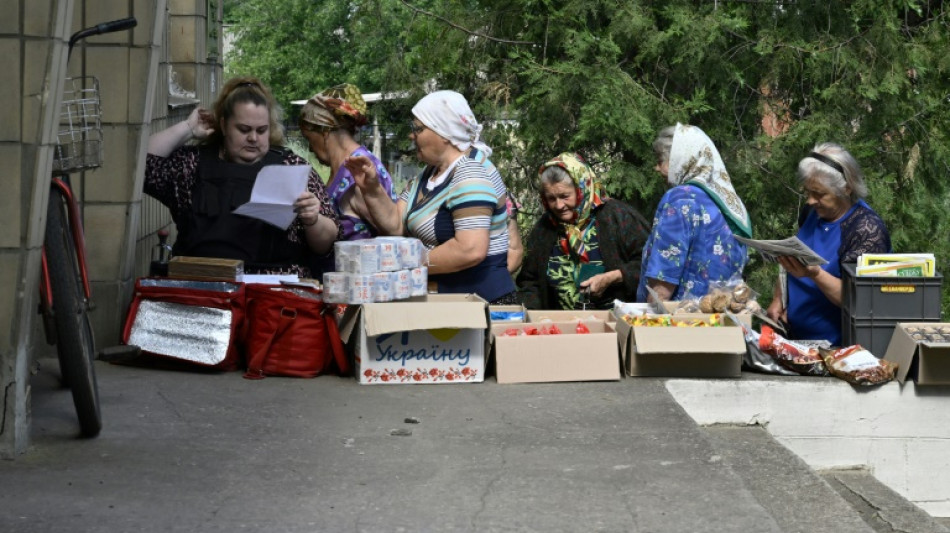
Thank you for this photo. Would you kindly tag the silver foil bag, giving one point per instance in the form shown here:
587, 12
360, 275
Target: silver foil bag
187, 332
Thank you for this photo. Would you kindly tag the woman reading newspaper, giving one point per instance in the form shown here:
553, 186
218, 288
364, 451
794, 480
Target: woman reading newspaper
839, 226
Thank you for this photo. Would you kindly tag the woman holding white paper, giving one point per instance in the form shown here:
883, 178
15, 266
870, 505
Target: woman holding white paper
204, 181
839, 226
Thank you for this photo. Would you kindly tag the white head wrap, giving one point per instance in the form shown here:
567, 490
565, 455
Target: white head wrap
694, 159
447, 113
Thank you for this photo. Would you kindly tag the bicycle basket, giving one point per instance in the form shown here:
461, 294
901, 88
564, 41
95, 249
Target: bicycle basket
79, 138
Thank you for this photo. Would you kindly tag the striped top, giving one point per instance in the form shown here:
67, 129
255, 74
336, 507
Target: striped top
473, 197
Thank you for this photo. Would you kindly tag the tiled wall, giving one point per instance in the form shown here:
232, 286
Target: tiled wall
133, 68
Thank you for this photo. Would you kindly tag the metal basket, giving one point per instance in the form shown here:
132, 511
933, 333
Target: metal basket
79, 138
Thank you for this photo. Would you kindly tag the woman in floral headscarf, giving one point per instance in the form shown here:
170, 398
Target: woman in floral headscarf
585, 250
329, 121
692, 243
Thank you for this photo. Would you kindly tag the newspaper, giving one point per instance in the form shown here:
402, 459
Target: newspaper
791, 247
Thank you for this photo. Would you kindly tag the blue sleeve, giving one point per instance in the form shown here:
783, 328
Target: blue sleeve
672, 235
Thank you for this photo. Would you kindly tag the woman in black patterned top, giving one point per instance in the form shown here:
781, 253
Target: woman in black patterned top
586, 248
201, 184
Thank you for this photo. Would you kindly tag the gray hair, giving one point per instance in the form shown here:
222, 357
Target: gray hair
554, 175
663, 144
851, 176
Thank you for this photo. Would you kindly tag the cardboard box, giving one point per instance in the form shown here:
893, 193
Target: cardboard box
506, 313
441, 338
670, 351
925, 361
561, 315
568, 356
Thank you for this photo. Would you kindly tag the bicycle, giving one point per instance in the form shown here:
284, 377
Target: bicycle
65, 293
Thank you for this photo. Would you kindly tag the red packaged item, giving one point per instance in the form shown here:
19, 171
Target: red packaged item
512, 332
551, 330
858, 366
582, 328
531, 330
797, 357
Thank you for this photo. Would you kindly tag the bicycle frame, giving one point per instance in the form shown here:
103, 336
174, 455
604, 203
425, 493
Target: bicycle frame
79, 240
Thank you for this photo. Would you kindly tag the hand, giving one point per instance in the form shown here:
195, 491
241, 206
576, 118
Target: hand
363, 171
795, 268
777, 312
200, 123
596, 285
307, 207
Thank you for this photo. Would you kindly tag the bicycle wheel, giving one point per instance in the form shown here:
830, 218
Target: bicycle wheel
74, 340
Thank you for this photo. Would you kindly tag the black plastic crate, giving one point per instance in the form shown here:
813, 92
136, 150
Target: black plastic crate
875, 297
872, 334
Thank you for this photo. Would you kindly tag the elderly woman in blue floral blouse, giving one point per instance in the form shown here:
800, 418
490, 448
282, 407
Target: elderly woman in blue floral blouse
692, 242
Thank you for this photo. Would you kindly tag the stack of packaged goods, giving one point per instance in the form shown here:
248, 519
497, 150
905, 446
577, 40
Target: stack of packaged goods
382, 269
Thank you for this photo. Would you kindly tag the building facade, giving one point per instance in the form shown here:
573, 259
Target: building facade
149, 77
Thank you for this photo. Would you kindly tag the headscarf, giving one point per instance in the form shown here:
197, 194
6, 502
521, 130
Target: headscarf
334, 105
694, 160
447, 114
590, 194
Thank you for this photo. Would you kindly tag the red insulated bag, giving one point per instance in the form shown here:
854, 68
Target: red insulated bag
291, 332
193, 322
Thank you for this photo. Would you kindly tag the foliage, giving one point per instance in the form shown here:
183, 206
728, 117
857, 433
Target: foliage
602, 76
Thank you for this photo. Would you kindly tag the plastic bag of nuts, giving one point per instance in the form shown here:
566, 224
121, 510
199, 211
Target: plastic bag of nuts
734, 296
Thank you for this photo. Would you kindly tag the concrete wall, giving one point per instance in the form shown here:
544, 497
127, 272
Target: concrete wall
900, 433
134, 69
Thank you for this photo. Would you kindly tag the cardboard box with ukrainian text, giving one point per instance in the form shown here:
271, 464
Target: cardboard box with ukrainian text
671, 351
439, 339
919, 354
566, 356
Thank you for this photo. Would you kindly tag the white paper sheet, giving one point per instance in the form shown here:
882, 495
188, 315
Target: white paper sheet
275, 190
268, 279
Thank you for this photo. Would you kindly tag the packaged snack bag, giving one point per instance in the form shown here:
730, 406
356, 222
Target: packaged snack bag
858, 366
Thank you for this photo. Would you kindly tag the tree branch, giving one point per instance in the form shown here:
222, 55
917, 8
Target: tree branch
462, 29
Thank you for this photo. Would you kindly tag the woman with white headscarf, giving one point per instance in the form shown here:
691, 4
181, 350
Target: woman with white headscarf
692, 243
456, 207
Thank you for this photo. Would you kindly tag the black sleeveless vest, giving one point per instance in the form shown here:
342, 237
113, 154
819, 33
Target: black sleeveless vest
211, 230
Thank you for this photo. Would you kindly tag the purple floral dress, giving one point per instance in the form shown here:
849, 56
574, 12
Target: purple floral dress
354, 227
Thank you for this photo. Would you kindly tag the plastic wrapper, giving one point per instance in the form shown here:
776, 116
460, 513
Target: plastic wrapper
671, 321
631, 308
551, 329
797, 356
734, 296
858, 366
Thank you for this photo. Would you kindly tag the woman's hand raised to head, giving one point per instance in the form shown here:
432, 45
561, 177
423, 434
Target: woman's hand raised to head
363, 171
200, 123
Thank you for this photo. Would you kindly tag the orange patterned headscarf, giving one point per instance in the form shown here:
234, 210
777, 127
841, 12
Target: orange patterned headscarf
335, 105
590, 194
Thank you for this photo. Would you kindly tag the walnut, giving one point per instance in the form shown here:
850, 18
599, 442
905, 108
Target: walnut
741, 293
720, 301
706, 304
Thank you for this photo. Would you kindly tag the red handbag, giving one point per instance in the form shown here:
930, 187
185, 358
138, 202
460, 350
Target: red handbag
291, 332
193, 322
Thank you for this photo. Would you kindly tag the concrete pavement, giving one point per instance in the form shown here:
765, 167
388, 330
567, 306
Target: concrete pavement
186, 451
